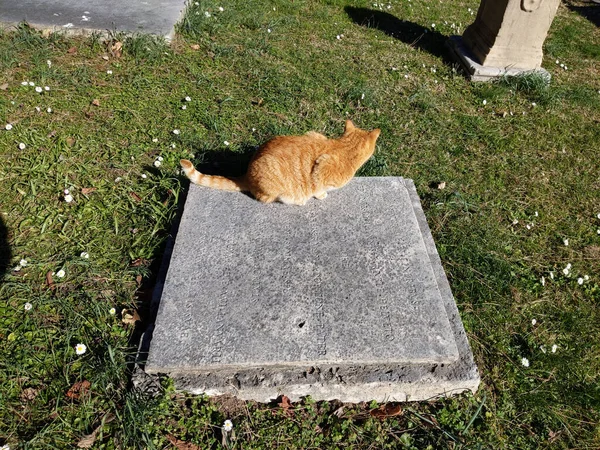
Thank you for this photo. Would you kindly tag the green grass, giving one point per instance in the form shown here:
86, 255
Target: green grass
521, 174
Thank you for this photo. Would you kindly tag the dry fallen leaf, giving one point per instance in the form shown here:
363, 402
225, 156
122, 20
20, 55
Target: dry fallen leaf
4, 86
136, 197
49, 280
181, 445
28, 394
130, 316
72, 50
70, 141
195, 47
51, 134
86, 191
139, 262
387, 410
96, 102
79, 389
116, 49
89, 440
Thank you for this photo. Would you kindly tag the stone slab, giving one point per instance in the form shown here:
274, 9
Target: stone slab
477, 72
83, 16
343, 298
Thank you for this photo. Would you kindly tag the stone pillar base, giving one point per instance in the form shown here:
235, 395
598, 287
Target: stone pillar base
477, 72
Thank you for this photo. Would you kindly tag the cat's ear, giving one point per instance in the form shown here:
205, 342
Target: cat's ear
375, 133
349, 126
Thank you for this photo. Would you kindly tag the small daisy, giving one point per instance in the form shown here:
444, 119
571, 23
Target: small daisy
362, 97
228, 425
528, 226
157, 163
46, 88
38, 109
338, 37
206, 13
60, 273
221, 9
268, 30
525, 362
566, 271
68, 198
22, 146
566, 242
85, 255
569, 266
8, 127
49, 110
5, 447
580, 281
49, 63
484, 102
155, 140
433, 25
118, 179
38, 89
23, 263
17, 268
176, 132
515, 222
184, 107
536, 214
598, 216
533, 104
112, 311
159, 158
598, 231
31, 83
585, 277
24, 83
533, 322
109, 72
144, 175
80, 349
27, 306
188, 99
554, 348
173, 145
226, 143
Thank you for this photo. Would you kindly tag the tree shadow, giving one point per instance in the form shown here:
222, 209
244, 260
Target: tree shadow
5, 253
410, 33
591, 12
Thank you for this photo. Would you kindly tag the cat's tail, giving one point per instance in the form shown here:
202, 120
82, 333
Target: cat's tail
212, 181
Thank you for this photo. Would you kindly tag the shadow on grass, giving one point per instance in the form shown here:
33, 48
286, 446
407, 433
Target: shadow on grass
410, 33
5, 253
591, 12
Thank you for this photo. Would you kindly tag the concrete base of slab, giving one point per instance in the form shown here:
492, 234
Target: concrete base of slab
87, 16
477, 72
344, 298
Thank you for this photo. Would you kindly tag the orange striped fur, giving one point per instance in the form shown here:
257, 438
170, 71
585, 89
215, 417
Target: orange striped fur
293, 169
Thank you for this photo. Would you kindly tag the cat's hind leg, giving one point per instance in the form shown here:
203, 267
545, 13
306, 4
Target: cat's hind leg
321, 195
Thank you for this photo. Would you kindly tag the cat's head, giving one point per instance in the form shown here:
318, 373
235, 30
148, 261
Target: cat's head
366, 139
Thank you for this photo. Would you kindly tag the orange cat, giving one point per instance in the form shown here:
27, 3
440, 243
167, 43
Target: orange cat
293, 169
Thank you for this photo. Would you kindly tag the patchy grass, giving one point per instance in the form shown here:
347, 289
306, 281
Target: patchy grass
521, 174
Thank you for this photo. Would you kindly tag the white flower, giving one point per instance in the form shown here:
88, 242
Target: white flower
27, 306
49, 63
338, 37
543, 280
31, 83
159, 158
176, 131
188, 99
173, 145
362, 97
80, 349
157, 163
514, 222
206, 13
580, 281
543, 349
24, 83
143, 175
554, 348
484, 102
598, 216
566, 271
8, 127
552, 275
38, 109
68, 198
533, 104
598, 231
525, 362
17, 268
112, 311
118, 179
221, 9
536, 214
109, 72
528, 226
60, 273
569, 266
46, 88
66, 191
228, 425
49, 110
5, 447
155, 140
433, 25
225, 142
85, 255
22, 146
533, 321
253, 130
23, 263
268, 30
38, 89
585, 277
566, 242
183, 107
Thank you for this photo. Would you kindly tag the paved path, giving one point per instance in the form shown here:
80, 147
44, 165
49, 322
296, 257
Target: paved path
79, 16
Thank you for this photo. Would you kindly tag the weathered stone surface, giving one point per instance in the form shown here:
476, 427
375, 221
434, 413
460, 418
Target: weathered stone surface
80, 16
478, 72
342, 298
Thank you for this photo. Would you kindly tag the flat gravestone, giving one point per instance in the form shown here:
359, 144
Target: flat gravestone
80, 16
343, 298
